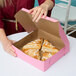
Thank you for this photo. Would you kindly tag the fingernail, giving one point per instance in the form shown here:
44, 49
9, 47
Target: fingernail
33, 20
32, 15
15, 55
36, 21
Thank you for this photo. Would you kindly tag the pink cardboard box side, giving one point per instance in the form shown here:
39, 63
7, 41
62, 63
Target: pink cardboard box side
44, 65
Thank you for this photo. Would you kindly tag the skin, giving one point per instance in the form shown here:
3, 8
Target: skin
7, 44
41, 10
37, 13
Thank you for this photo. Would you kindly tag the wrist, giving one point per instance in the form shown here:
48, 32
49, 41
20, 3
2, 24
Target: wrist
45, 6
3, 37
49, 4
4, 40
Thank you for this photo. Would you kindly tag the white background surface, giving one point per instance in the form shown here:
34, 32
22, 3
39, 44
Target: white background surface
11, 66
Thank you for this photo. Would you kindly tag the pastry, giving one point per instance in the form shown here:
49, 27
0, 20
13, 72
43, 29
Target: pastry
32, 48
45, 56
40, 49
36, 44
48, 47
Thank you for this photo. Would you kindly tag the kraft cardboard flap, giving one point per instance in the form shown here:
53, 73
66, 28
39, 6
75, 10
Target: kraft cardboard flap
25, 20
57, 42
30, 37
49, 26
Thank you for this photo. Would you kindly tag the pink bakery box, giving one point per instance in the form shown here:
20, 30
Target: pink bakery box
47, 28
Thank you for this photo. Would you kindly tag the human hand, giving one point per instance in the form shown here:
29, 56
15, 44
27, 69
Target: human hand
39, 11
7, 45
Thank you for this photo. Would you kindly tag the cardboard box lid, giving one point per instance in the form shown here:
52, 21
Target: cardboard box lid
25, 19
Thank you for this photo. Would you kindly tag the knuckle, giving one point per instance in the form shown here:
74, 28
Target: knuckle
39, 8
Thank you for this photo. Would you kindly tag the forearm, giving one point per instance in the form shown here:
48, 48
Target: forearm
3, 36
49, 4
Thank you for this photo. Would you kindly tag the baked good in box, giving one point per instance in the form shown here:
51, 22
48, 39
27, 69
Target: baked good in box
32, 48
36, 44
46, 55
48, 47
40, 49
48, 50
33, 53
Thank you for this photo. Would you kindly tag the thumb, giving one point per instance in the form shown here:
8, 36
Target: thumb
30, 11
13, 41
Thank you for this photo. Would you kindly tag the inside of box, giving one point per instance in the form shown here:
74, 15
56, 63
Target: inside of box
48, 26
42, 29
25, 20
32, 36
57, 42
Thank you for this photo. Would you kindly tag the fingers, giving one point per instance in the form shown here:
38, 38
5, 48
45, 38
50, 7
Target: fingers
8, 47
11, 51
34, 13
12, 41
30, 11
37, 14
45, 14
40, 15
